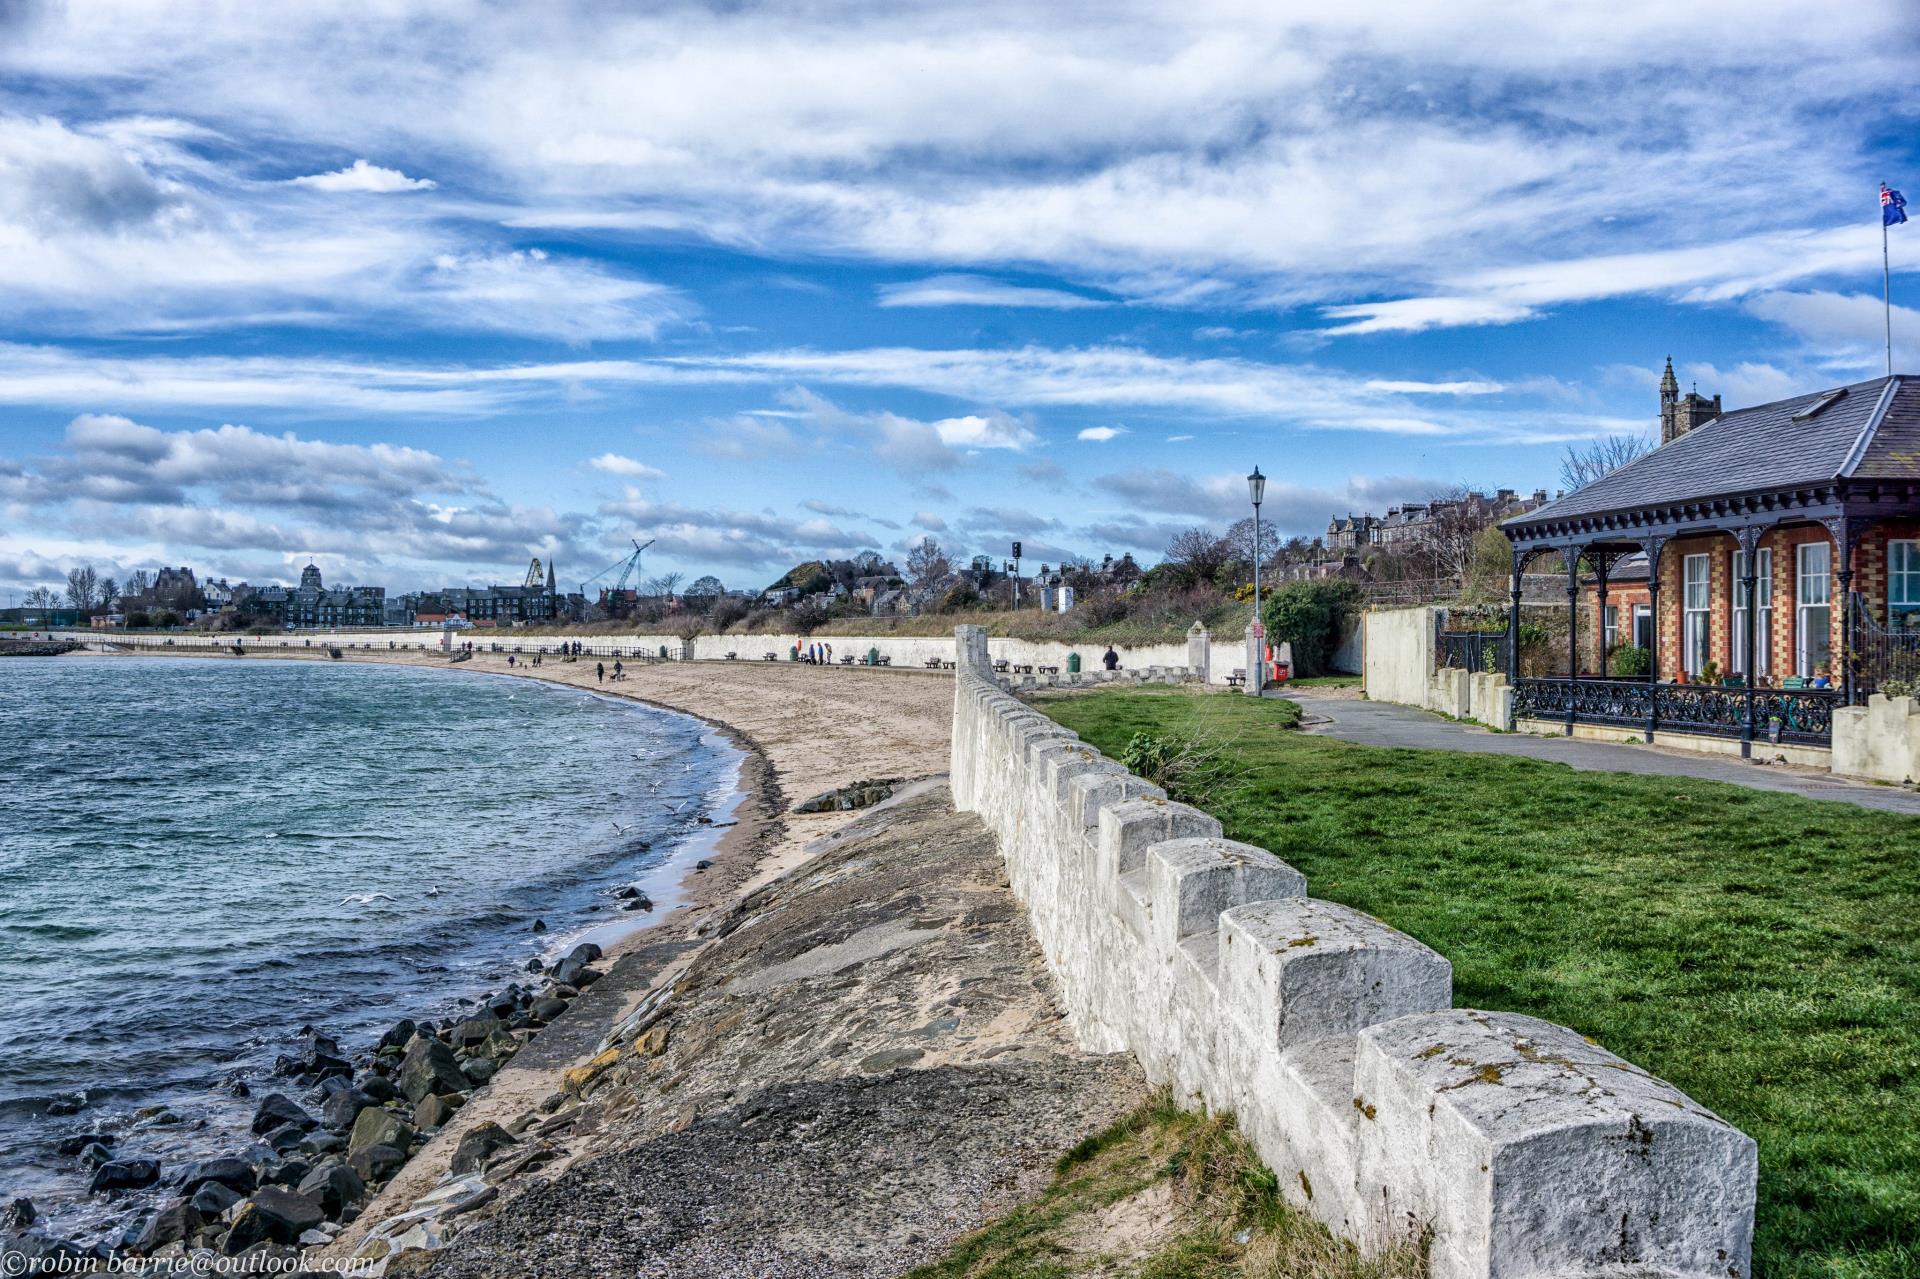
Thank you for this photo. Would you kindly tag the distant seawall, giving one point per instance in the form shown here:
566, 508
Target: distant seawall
1522, 1147
906, 652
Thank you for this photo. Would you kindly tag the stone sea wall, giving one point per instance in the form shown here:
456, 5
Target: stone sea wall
1519, 1146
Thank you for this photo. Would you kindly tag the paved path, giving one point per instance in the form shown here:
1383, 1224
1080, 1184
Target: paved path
1385, 724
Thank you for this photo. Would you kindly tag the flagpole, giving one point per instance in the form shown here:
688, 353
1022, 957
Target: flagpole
1886, 290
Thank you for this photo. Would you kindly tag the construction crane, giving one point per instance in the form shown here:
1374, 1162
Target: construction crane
619, 599
536, 576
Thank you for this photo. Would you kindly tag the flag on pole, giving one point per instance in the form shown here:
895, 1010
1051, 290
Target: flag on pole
1893, 206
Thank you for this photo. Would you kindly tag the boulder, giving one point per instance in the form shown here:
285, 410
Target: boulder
586, 952
280, 1109
344, 1107
286, 1172
568, 971
81, 1140
546, 1008
430, 1067
326, 1143
64, 1106
376, 1127
399, 1033
376, 1163
212, 1199
271, 1215
19, 1214
173, 1223
431, 1112
535, 966
285, 1139
378, 1087
477, 1146
124, 1174
479, 1069
93, 1154
235, 1174
335, 1187
476, 1030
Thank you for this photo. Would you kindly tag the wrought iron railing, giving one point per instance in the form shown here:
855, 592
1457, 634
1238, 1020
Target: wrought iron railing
1882, 655
1467, 650
1789, 715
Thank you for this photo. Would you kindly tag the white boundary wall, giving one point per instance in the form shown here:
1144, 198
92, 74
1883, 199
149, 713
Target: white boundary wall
903, 651
1525, 1149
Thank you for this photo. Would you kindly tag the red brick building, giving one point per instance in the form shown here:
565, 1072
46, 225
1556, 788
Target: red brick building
1774, 532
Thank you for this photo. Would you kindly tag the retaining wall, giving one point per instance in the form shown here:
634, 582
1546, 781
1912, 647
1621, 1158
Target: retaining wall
1879, 741
1522, 1147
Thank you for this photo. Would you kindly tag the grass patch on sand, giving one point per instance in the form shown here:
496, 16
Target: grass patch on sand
1163, 1194
1760, 951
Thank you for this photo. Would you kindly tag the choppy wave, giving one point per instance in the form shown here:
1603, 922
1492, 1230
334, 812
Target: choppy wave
198, 858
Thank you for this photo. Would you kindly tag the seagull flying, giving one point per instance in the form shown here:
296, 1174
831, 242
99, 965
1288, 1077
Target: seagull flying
364, 899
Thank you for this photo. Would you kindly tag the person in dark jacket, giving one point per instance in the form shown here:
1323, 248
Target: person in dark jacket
1111, 660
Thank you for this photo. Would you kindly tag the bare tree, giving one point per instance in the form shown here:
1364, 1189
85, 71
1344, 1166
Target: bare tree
927, 563
41, 597
139, 582
1197, 554
109, 592
1240, 539
664, 585
83, 587
704, 591
1582, 464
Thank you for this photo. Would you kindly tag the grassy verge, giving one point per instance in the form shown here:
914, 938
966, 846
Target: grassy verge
1162, 1194
1760, 951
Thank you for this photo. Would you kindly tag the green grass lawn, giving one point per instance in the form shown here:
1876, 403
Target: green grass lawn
1760, 951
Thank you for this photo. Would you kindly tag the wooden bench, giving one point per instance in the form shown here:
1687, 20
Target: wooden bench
1237, 678
770, 657
731, 656
1001, 666
1049, 670
887, 661
847, 661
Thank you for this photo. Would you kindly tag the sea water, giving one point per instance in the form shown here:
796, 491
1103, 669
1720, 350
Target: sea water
200, 857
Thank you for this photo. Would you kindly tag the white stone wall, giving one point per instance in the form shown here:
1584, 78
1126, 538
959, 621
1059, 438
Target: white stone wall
1397, 655
905, 651
1526, 1149
1879, 741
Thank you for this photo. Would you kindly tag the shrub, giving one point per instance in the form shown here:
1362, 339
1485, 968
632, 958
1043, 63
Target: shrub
1628, 661
1307, 615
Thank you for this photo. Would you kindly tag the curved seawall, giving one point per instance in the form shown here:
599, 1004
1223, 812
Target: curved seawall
1518, 1146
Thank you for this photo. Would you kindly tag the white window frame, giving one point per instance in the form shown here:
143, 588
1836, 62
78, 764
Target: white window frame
1812, 593
1763, 602
1609, 628
1903, 583
1696, 602
1643, 613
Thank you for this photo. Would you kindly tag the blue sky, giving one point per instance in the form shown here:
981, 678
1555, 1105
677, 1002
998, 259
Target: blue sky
422, 290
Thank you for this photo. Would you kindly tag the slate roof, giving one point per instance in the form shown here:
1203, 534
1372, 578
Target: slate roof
1871, 431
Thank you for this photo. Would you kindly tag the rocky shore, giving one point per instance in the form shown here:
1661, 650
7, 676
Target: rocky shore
331, 1133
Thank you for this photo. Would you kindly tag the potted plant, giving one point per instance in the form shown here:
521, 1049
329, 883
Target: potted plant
1710, 673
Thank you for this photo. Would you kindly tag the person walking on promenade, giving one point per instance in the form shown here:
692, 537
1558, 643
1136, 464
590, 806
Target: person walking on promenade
619, 671
509, 661
600, 671
829, 661
1111, 660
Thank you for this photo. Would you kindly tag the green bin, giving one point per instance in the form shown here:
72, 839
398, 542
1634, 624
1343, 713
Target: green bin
873, 657
1073, 663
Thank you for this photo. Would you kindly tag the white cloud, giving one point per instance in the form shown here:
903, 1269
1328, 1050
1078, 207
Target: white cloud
974, 290
984, 431
615, 464
1101, 434
929, 521
361, 176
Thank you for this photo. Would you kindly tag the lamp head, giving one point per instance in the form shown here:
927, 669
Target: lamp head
1257, 486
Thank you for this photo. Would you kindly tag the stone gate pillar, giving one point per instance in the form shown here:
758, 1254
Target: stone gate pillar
1200, 652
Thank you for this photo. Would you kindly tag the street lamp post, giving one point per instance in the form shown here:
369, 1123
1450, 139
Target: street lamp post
1256, 633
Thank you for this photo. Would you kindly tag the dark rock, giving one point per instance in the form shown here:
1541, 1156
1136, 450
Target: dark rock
702, 864
568, 971
171, 1224
479, 1069
535, 966
81, 1140
399, 1033
279, 1109
431, 1112
344, 1107
586, 952
326, 1143
124, 1174
642, 902
93, 1154
478, 1146
54, 1256
235, 1174
237, 1088
271, 1215
476, 1030
335, 1187
539, 925
378, 1087
64, 1106
586, 977
213, 1198
547, 1007
376, 1163
430, 1067
19, 1214
288, 1172
376, 1127
285, 1139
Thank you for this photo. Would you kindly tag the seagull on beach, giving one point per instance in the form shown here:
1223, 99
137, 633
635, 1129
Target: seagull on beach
365, 899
